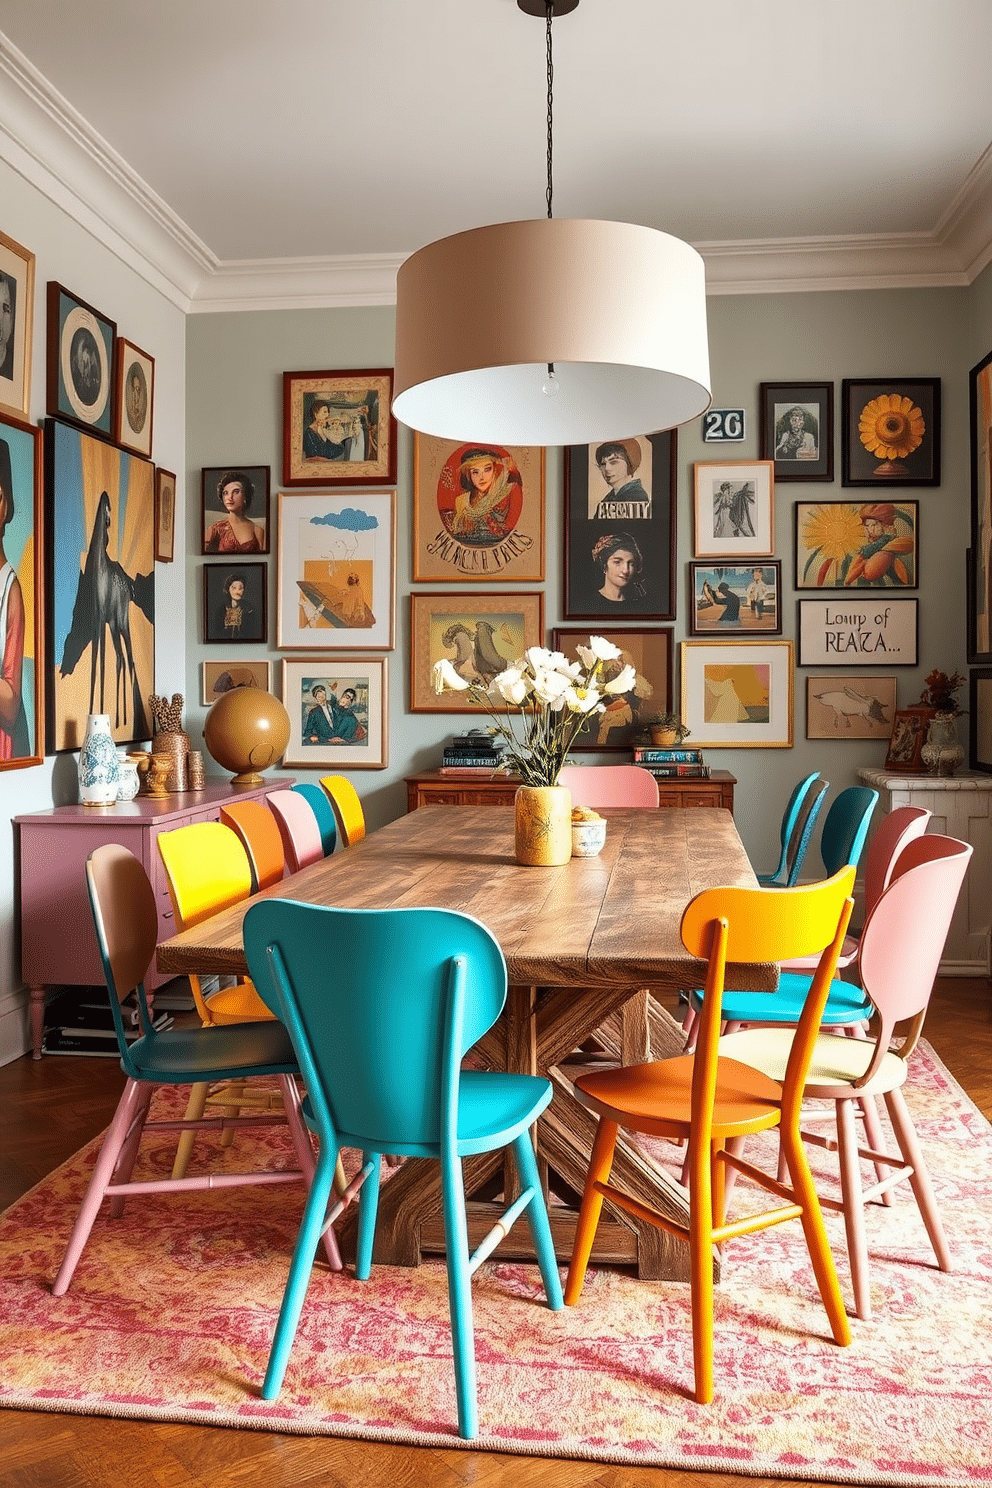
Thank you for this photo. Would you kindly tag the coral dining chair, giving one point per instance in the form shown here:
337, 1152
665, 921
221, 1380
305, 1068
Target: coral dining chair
381, 1052
712, 1102
298, 828
126, 920
347, 808
610, 785
261, 838
323, 811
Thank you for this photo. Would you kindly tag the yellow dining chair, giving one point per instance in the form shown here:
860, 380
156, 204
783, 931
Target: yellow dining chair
347, 808
714, 1102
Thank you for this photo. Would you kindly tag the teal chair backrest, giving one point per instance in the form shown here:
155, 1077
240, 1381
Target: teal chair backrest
845, 828
381, 1006
324, 813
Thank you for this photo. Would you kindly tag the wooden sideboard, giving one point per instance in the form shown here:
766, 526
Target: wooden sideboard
58, 942
431, 788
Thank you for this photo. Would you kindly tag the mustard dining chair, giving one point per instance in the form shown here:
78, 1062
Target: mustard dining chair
347, 808
261, 838
298, 827
713, 1102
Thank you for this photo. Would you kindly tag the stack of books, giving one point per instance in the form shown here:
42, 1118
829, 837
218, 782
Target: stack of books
79, 1021
669, 764
472, 753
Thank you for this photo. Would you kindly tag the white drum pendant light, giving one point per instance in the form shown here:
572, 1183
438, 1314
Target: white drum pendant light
551, 331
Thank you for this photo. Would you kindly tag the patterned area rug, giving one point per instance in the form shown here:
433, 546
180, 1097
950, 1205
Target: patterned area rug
171, 1311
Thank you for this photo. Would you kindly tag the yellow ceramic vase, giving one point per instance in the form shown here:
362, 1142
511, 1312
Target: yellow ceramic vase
543, 825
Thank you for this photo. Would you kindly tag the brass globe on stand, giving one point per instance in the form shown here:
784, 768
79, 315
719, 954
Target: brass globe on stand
246, 731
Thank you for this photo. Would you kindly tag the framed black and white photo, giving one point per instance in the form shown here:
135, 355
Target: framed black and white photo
16, 320
858, 630
81, 343
734, 509
234, 603
797, 429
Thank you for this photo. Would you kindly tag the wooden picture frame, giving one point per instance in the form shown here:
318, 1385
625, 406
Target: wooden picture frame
480, 634
980, 720
909, 734
22, 590
852, 707
858, 630
980, 557
16, 327
797, 429
165, 515
890, 431
737, 694
230, 618
740, 599
478, 512
734, 506
336, 570
81, 347
338, 428
218, 677
620, 529
337, 708
217, 485
134, 399
649, 652
100, 517
856, 545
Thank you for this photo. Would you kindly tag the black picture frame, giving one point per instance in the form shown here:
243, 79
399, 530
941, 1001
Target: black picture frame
800, 454
213, 479
642, 522
253, 629
866, 539
82, 348
649, 651
979, 587
980, 720
706, 618
867, 629
903, 462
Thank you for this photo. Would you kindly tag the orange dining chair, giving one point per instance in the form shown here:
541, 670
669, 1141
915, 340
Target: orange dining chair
298, 828
261, 838
610, 785
347, 808
712, 1102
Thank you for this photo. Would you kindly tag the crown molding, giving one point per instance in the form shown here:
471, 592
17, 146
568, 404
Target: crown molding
299, 283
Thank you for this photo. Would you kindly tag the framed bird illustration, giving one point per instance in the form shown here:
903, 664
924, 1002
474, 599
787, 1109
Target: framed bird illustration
480, 634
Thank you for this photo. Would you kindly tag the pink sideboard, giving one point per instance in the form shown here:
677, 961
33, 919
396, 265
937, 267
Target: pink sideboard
58, 942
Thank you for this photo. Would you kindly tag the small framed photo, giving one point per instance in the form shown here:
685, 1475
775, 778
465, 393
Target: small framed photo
738, 694
337, 712
234, 603
744, 599
909, 734
338, 428
797, 429
218, 677
890, 431
620, 529
235, 508
135, 397
857, 544
649, 652
22, 594
81, 344
858, 630
478, 512
734, 509
16, 322
165, 515
850, 707
980, 720
480, 634
336, 570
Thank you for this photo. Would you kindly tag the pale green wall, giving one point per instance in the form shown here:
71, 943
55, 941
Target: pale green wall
234, 362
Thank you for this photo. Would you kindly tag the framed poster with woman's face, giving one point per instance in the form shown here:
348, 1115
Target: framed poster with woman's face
234, 603
235, 509
478, 511
620, 528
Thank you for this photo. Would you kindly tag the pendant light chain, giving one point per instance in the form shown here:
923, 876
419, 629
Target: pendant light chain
551, 80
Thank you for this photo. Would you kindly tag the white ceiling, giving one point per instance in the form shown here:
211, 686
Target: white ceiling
289, 130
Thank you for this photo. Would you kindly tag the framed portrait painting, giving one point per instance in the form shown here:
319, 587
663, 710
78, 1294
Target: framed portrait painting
165, 515
336, 570
235, 603
337, 712
22, 718
16, 322
81, 343
797, 429
857, 544
980, 562
738, 694
649, 652
734, 509
235, 508
478, 511
134, 397
909, 734
743, 599
218, 677
980, 720
480, 634
620, 529
890, 431
338, 428
100, 587
850, 707
858, 630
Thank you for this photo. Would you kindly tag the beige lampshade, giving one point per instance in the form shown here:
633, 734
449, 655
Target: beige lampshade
619, 309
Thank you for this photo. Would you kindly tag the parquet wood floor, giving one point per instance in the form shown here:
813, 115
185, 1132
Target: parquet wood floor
52, 1106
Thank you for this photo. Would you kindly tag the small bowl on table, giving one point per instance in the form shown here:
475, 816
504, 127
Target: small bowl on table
588, 838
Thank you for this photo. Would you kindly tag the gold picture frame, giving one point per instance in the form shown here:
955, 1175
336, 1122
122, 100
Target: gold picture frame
480, 634
738, 694
478, 512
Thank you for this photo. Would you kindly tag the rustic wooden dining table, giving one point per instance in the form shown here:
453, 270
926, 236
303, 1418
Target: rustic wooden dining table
583, 942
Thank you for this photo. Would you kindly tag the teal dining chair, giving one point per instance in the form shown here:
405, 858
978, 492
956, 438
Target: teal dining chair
798, 820
323, 811
381, 1007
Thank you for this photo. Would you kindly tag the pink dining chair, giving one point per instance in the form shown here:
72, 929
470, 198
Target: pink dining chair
298, 828
610, 785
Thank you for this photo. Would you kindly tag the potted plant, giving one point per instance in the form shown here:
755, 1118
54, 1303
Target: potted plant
666, 729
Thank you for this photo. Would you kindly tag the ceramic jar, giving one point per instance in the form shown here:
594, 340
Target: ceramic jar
98, 764
128, 781
588, 838
543, 825
942, 754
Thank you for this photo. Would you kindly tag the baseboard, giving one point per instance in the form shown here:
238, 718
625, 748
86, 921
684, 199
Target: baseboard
15, 1025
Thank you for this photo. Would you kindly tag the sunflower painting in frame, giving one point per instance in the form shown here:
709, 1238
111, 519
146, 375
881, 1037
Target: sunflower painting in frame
856, 545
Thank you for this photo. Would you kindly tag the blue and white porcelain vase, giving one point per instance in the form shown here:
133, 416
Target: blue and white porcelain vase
99, 773
128, 782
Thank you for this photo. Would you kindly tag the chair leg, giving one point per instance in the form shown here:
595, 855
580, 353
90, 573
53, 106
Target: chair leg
299, 1277
852, 1194
537, 1219
875, 1140
701, 1197
128, 1154
600, 1164
235, 1088
460, 1295
816, 1236
304, 1156
368, 1208
193, 1112
909, 1146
